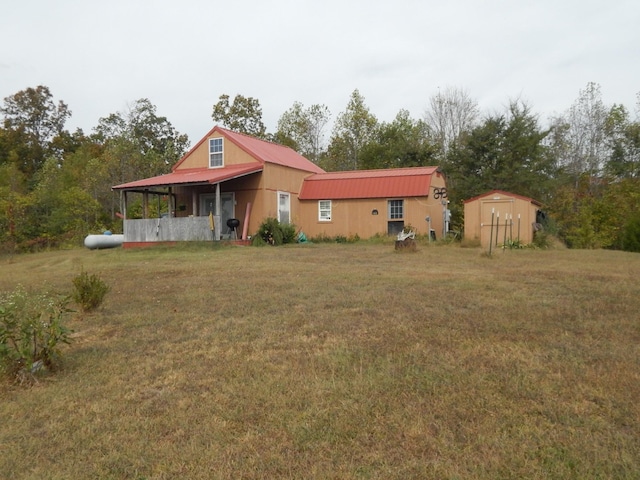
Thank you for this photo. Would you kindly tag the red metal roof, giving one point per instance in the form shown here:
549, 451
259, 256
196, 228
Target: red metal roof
194, 176
383, 183
261, 150
502, 192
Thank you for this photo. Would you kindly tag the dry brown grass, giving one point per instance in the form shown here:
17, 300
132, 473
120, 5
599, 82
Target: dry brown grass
336, 361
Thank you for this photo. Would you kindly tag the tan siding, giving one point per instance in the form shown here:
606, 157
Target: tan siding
354, 216
199, 157
519, 215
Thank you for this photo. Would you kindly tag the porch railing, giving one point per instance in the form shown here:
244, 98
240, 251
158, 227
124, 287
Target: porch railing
165, 229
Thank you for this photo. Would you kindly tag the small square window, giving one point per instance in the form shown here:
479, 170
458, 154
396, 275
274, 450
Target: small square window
216, 158
324, 211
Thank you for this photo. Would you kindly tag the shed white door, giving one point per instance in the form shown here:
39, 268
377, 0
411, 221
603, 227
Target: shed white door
500, 211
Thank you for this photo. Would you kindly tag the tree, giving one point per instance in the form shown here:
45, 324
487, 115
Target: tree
401, 143
137, 143
623, 139
34, 120
450, 114
244, 115
303, 129
156, 142
581, 134
354, 128
505, 152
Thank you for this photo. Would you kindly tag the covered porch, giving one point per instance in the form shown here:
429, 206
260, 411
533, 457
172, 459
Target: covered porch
185, 206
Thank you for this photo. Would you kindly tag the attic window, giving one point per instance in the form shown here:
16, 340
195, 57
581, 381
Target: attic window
216, 157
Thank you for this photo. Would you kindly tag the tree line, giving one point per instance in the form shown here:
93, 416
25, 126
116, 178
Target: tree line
583, 165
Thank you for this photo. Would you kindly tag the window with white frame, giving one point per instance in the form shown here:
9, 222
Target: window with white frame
324, 211
284, 207
216, 158
396, 209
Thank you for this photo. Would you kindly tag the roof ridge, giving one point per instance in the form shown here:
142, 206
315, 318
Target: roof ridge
255, 138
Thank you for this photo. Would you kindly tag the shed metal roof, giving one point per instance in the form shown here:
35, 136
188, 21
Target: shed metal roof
503, 193
382, 183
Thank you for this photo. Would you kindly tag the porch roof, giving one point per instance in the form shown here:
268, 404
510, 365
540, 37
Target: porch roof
193, 176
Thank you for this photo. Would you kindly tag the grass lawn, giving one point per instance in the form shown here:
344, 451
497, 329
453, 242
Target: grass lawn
335, 361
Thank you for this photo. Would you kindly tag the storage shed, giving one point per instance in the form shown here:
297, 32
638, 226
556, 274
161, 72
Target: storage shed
501, 217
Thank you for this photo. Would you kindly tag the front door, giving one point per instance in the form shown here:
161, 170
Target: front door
227, 210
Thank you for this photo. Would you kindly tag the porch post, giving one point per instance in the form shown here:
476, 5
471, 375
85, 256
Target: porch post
218, 207
124, 203
218, 211
194, 203
170, 204
145, 204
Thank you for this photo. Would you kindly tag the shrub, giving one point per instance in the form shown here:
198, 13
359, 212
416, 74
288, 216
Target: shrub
541, 239
289, 234
272, 232
89, 291
31, 329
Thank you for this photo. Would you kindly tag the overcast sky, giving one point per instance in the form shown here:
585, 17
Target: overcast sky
98, 57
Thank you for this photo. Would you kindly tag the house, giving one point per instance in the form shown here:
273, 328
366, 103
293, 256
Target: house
498, 217
230, 179
370, 202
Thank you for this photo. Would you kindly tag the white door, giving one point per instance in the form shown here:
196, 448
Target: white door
284, 207
227, 209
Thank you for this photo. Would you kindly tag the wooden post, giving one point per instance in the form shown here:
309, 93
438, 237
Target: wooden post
491, 232
145, 204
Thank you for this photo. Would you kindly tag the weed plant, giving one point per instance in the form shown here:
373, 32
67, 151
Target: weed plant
89, 291
31, 331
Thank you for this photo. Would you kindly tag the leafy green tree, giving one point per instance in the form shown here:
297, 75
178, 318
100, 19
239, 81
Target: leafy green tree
244, 115
144, 143
506, 152
66, 211
631, 234
303, 130
134, 144
354, 128
595, 215
15, 202
623, 137
404, 142
34, 120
